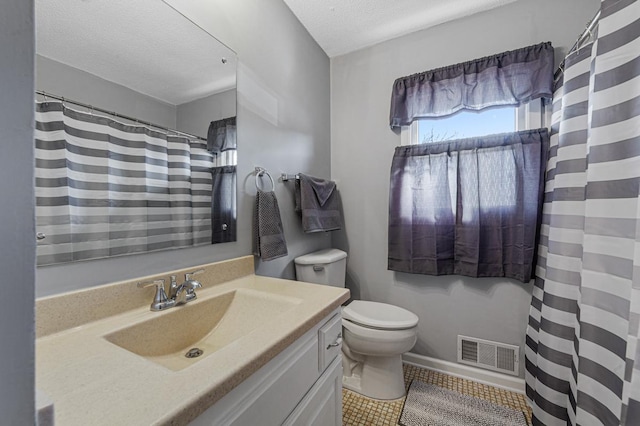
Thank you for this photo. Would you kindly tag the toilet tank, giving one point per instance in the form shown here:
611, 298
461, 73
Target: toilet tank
328, 267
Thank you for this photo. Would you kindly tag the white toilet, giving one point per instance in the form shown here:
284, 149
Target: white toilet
375, 335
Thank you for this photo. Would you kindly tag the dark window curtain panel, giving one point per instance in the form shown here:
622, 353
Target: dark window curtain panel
509, 78
468, 207
223, 204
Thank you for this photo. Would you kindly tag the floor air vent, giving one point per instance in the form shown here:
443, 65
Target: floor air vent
490, 355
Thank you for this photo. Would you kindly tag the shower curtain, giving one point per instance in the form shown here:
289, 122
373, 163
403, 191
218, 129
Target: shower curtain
582, 357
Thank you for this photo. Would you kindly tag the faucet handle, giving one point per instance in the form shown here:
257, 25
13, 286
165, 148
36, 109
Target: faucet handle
190, 285
188, 275
145, 284
160, 301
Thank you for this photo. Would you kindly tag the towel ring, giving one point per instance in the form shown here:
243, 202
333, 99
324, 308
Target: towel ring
259, 172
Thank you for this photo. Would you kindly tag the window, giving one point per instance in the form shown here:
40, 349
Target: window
490, 121
470, 204
498, 189
467, 124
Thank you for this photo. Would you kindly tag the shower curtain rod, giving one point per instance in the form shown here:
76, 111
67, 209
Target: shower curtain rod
115, 114
587, 32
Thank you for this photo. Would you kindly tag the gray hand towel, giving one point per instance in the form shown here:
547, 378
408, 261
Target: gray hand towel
317, 201
269, 242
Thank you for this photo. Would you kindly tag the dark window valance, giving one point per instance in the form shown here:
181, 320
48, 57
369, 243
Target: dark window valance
222, 135
509, 78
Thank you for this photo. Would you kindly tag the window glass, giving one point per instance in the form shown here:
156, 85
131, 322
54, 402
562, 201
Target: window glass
466, 124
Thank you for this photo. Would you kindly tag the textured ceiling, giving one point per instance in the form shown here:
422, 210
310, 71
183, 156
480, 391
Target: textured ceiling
144, 45
342, 26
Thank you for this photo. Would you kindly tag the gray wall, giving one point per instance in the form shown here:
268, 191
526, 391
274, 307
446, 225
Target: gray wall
78, 85
72, 83
17, 256
284, 125
494, 309
195, 116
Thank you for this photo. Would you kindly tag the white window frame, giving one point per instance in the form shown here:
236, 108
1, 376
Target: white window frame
532, 115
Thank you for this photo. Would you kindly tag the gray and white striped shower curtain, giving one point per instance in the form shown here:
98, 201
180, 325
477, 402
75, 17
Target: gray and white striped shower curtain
582, 357
105, 188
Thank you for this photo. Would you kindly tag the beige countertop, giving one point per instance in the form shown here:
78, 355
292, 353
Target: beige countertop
92, 381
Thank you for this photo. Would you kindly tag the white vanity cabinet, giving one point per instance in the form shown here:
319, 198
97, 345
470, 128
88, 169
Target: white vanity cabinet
300, 386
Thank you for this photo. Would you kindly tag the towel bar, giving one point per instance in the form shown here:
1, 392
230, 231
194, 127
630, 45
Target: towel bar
285, 177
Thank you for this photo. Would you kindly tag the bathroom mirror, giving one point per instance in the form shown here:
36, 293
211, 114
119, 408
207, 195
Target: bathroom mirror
135, 130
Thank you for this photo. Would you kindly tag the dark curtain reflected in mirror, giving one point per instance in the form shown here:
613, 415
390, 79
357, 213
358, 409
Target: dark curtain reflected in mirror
223, 204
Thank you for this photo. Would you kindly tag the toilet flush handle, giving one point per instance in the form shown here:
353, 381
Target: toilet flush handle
318, 268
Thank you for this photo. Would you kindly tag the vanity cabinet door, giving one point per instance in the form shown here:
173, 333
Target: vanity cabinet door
322, 405
288, 384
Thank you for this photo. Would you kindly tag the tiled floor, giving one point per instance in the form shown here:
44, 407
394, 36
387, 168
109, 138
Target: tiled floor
361, 411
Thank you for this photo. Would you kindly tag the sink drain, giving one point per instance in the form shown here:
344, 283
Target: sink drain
194, 353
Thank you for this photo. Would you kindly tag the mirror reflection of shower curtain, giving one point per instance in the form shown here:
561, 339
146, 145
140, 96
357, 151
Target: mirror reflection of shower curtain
105, 188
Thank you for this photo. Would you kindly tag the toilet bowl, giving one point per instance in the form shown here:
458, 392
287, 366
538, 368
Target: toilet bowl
375, 335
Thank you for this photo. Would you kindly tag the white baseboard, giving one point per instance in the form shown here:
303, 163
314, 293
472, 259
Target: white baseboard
491, 378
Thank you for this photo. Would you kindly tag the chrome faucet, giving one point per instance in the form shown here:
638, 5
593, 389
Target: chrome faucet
178, 294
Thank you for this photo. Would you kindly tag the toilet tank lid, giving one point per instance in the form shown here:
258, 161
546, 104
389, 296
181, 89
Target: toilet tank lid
379, 315
321, 257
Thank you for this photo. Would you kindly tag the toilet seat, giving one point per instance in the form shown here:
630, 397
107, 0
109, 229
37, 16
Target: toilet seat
379, 315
